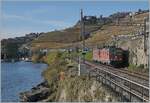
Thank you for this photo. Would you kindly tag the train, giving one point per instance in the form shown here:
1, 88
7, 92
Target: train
111, 55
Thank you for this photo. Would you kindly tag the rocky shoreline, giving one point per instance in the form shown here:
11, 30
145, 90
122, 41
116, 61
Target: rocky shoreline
37, 93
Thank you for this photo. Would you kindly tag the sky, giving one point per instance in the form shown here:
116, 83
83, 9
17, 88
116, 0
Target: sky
21, 17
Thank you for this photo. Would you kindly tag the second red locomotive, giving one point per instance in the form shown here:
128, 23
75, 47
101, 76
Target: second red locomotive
109, 55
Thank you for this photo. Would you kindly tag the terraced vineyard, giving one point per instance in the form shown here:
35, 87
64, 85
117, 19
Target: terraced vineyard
71, 36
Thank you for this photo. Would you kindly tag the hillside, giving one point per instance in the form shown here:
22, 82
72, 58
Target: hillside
11, 47
71, 36
68, 35
58, 39
126, 27
107, 32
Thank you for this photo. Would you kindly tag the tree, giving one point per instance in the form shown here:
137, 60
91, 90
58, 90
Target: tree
11, 50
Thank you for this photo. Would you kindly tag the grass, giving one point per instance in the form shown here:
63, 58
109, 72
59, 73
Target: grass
51, 57
57, 64
89, 55
46, 44
61, 38
68, 35
132, 67
139, 68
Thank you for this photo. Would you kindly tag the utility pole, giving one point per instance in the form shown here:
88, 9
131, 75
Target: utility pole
83, 42
83, 35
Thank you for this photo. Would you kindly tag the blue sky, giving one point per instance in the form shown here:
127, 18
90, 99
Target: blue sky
21, 17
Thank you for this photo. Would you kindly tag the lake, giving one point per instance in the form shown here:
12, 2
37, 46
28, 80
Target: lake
18, 77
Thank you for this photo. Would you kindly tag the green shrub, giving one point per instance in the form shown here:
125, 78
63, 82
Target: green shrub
141, 66
51, 57
88, 56
132, 67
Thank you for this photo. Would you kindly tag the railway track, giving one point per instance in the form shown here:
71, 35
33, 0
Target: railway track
137, 77
136, 84
121, 70
125, 82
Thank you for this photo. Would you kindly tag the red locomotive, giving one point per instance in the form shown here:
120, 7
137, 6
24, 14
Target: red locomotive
110, 55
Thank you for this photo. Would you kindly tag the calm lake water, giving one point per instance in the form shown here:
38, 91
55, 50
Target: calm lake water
18, 77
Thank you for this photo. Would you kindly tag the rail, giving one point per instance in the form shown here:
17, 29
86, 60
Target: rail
135, 74
140, 95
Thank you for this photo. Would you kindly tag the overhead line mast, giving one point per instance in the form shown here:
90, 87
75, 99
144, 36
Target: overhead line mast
82, 34
82, 31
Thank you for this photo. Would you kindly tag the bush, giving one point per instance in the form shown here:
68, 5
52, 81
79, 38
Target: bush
11, 49
141, 66
51, 57
88, 56
132, 67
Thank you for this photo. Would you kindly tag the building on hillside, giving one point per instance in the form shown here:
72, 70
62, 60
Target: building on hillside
24, 51
90, 19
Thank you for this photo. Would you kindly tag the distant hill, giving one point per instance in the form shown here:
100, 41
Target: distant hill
10, 47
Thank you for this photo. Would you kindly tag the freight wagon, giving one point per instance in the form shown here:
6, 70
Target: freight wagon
109, 55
